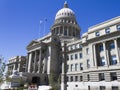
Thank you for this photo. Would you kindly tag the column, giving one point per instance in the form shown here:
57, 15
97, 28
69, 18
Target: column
18, 67
105, 55
14, 66
94, 56
58, 30
63, 30
75, 32
39, 61
29, 62
67, 31
116, 50
34, 70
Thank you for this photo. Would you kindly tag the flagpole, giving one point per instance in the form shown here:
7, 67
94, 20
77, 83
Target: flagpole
45, 20
40, 28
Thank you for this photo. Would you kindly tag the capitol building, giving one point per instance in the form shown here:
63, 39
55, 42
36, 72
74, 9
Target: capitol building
87, 62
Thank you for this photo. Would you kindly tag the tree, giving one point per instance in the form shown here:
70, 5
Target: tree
2, 68
54, 81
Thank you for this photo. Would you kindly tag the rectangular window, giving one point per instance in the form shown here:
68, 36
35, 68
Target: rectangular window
107, 30
102, 61
101, 76
87, 50
97, 34
112, 45
80, 46
65, 32
80, 55
71, 57
76, 56
72, 67
88, 63
115, 88
88, 77
118, 27
113, 60
113, 76
67, 79
102, 88
101, 47
76, 67
81, 66
67, 68
71, 78
81, 78
76, 78
67, 57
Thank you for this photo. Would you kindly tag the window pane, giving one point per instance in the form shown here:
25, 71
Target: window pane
118, 27
107, 30
76, 67
101, 76
101, 47
72, 67
76, 57
88, 76
102, 88
71, 57
80, 55
87, 50
102, 61
81, 66
97, 34
113, 60
114, 87
76, 78
71, 78
113, 76
112, 45
81, 78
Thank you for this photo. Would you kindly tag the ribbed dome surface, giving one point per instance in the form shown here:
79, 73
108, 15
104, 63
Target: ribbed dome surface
65, 12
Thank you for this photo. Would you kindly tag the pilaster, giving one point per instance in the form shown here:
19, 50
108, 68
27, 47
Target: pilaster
105, 54
94, 56
116, 50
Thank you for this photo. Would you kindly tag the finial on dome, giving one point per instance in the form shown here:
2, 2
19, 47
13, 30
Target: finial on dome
65, 4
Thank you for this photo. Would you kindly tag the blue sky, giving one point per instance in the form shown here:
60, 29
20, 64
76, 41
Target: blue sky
20, 19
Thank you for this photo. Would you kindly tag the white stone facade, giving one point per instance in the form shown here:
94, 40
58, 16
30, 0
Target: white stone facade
89, 62
16, 63
99, 57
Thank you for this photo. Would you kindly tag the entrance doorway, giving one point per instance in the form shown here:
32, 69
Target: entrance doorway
36, 80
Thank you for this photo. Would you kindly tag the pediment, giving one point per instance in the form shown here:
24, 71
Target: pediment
32, 43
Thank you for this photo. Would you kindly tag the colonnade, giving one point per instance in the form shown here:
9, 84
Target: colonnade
66, 31
107, 52
35, 62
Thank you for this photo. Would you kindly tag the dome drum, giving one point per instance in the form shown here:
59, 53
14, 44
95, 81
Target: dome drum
66, 31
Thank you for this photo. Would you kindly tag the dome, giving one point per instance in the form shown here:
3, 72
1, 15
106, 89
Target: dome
65, 12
